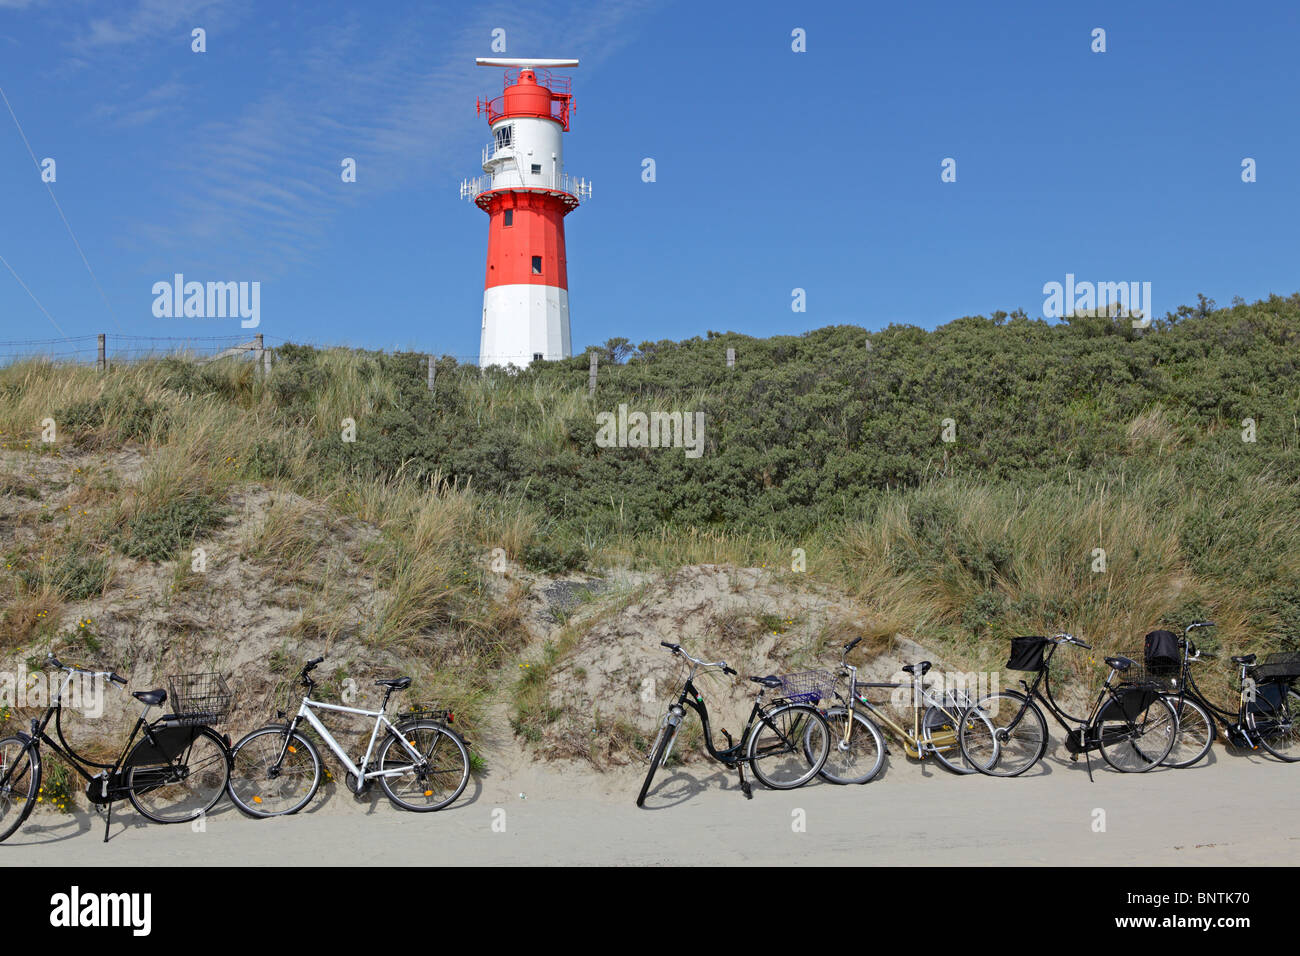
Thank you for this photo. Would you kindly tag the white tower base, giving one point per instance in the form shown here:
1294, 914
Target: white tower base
517, 314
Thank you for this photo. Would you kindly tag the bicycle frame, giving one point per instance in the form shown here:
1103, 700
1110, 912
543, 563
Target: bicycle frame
921, 696
691, 696
1233, 723
1084, 737
305, 712
75, 760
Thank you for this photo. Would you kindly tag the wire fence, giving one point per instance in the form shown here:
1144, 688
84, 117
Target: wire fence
108, 349
116, 348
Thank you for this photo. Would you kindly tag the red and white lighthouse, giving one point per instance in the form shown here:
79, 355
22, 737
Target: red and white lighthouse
526, 194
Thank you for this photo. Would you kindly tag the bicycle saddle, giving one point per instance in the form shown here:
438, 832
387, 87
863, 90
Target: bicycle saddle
768, 681
396, 683
150, 697
1246, 659
1120, 663
911, 668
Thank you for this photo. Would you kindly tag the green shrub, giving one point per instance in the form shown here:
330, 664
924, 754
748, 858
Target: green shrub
157, 535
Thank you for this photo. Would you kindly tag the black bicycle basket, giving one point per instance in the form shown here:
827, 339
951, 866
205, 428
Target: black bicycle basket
1282, 667
199, 698
1027, 653
425, 712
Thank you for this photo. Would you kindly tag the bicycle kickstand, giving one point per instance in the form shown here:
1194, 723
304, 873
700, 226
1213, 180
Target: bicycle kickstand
108, 817
745, 788
1087, 754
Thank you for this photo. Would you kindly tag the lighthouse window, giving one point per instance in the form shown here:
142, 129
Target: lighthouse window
537, 265
537, 169
504, 135
508, 218
537, 356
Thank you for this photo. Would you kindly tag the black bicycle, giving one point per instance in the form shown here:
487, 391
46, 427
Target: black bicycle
785, 743
1130, 723
176, 772
1268, 707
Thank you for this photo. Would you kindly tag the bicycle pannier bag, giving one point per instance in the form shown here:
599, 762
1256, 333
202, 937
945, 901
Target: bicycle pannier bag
1026, 653
1129, 703
171, 742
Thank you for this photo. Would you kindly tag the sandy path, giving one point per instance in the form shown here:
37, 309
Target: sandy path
1235, 809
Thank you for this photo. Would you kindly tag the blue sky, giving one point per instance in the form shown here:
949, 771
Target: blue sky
775, 169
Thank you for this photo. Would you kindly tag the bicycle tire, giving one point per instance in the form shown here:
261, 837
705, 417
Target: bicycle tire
667, 733
791, 736
430, 746
248, 785
834, 768
1142, 752
1196, 732
942, 740
28, 780
213, 775
1017, 749
1281, 734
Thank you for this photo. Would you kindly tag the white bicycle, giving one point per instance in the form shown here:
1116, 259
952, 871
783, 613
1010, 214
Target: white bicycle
422, 764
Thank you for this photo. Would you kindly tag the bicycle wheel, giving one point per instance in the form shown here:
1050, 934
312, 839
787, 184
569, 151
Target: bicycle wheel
659, 753
1276, 725
259, 786
187, 786
941, 736
857, 760
1011, 738
20, 780
788, 746
1196, 732
1141, 745
437, 780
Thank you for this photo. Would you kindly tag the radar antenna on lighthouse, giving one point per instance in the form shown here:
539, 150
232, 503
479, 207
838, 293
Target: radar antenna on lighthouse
526, 194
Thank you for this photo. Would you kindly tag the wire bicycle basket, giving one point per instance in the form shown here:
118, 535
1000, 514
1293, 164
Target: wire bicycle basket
808, 687
200, 698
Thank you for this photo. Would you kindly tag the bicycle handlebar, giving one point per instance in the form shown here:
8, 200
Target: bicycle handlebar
677, 649
308, 668
111, 676
1071, 639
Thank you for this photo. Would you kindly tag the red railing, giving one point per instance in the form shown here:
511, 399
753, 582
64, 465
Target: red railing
562, 104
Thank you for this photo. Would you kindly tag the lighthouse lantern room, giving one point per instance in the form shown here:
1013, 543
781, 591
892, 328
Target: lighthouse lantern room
526, 194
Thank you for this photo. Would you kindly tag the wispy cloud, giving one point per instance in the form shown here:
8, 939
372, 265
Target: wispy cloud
264, 187
147, 20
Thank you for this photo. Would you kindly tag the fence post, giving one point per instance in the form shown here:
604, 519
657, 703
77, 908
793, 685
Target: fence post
257, 348
731, 358
432, 370
266, 364
102, 363
591, 376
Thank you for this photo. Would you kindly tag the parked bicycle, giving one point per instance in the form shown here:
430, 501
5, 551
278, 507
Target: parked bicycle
1267, 712
175, 772
1132, 725
785, 741
422, 764
857, 745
